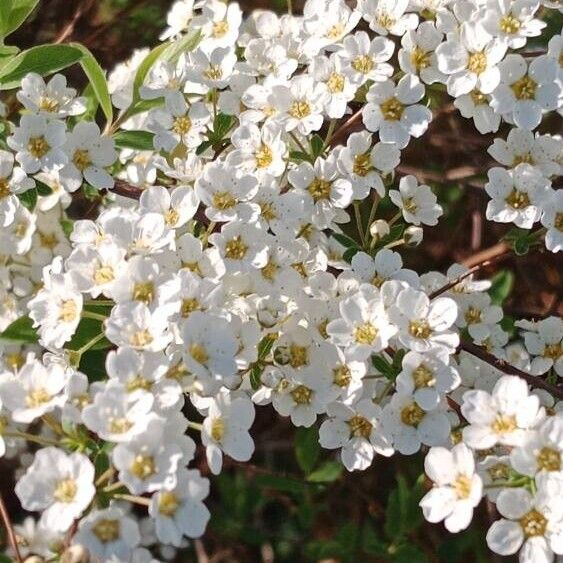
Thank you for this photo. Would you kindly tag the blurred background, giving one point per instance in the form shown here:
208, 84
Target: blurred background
294, 503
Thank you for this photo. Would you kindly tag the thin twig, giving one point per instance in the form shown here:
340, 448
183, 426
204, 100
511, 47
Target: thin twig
505, 367
343, 132
502, 255
12, 539
68, 30
200, 552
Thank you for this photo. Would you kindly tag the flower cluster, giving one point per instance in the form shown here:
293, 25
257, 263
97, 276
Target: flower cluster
213, 270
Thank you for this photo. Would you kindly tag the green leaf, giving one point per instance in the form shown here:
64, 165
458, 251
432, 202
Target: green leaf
43, 59
176, 48
350, 253
97, 79
502, 284
307, 448
42, 189
93, 364
29, 198
371, 543
203, 147
382, 366
299, 156
7, 53
265, 346
403, 513
21, 330
345, 240
87, 330
317, 146
139, 140
221, 125
144, 68
13, 13
326, 473
408, 553
256, 376
521, 246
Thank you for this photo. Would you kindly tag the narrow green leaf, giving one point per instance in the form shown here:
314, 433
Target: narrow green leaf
307, 448
345, 240
265, 346
29, 198
21, 330
87, 330
139, 140
14, 13
502, 284
43, 59
221, 125
42, 189
143, 70
184, 45
97, 79
317, 145
382, 365
280, 483
326, 473
256, 376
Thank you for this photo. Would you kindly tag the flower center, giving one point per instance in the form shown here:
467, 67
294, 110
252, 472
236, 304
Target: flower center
235, 249
119, 425
477, 62
137, 383
517, 199
360, 427
392, 109
47, 104
509, 24
189, 305
38, 146
558, 223
267, 211
264, 156
363, 64
478, 98
412, 415
217, 429
385, 20
365, 333
143, 467
270, 270
362, 164
525, 88
335, 82
378, 280
499, 472
335, 31
409, 204
143, 291
106, 530
420, 58
199, 353
342, 376
423, 377
4, 188
504, 424
300, 109
141, 338
213, 72
462, 486
319, 189
68, 311
298, 356
81, 159
472, 315
420, 329
37, 397
220, 29
526, 158
168, 503
223, 200
302, 395
553, 351
65, 491
533, 523
549, 459
171, 217
182, 125
103, 275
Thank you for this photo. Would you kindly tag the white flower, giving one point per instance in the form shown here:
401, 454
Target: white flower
177, 123
148, 462
417, 202
428, 377
552, 219
457, 488
363, 327
58, 484
522, 146
211, 67
502, 417
18, 228
470, 60
531, 523
13, 180
525, 92
516, 194
225, 429
478, 314
388, 16
356, 429
116, 415
384, 266
392, 110
89, 153
329, 21
219, 23
424, 325
39, 143
37, 389
178, 18
542, 450
179, 511
177, 206
411, 426
52, 100
475, 105
364, 59
545, 343
418, 55
108, 534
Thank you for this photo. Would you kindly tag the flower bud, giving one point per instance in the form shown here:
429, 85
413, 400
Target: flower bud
378, 229
413, 236
75, 554
34, 559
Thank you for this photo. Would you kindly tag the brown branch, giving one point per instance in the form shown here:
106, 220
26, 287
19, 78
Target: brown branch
487, 254
343, 132
505, 367
12, 539
68, 30
501, 253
